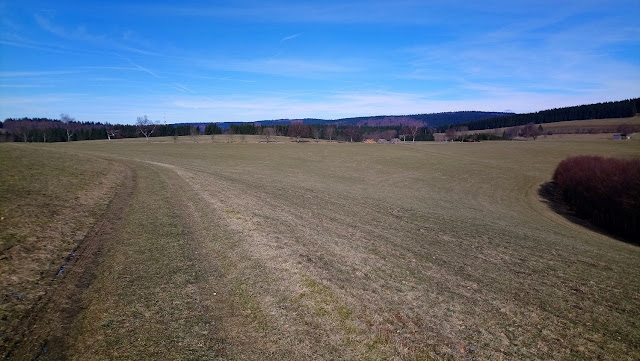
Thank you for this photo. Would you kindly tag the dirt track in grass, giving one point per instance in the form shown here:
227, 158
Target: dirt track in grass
44, 331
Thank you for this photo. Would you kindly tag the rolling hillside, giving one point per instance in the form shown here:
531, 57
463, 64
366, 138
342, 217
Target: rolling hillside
431, 119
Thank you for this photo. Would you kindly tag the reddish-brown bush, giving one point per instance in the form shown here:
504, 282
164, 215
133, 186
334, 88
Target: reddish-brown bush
604, 190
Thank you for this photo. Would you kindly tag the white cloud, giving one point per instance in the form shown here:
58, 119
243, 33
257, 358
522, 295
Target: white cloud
47, 25
578, 59
290, 37
253, 107
347, 104
102, 42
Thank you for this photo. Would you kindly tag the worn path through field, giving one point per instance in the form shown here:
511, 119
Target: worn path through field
45, 329
281, 309
168, 283
150, 298
255, 251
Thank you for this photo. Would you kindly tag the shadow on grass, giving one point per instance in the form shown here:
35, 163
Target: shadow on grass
551, 197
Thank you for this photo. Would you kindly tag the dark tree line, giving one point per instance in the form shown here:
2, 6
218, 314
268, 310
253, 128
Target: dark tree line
438, 119
619, 109
477, 137
244, 128
299, 130
435, 119
54, 130
68, 129
606, 191
51, 130
353, 133
212, 128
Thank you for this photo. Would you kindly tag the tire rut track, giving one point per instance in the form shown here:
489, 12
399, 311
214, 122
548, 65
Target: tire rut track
45, 330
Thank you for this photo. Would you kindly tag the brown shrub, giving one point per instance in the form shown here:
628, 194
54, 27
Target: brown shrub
604, 190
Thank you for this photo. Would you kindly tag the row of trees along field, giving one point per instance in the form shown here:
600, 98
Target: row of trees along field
619, 109
67, 129
298, 130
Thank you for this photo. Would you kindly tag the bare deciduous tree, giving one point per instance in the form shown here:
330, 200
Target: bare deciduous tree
329, 131
377, 135
529, 131
625, 129
112, 133
146, 126
414, 128
229, 135
268, 133
24, 128
298, 130
315, 133
352, 133
404, 133
510, 133
389, 134
44, 127
194, 130
69, 125
450, 133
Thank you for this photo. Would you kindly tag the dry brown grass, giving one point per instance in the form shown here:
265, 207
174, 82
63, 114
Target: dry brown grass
225, 139
147, 301
49, 201
591, 128
612, 123
356, 251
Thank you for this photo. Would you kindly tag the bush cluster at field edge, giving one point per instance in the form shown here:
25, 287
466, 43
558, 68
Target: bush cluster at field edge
604, 190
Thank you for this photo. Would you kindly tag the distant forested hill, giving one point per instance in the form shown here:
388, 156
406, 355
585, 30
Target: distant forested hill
432, 120
619, 109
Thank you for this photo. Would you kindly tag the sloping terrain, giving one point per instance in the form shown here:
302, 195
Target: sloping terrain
589, 126
353, 251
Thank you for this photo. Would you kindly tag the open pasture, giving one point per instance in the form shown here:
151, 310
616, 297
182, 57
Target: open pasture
593, 128
322, 251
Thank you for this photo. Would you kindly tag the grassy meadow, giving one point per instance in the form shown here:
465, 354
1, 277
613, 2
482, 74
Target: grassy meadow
310, 251
594, 128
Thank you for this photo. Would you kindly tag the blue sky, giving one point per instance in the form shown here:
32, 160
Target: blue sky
253, 60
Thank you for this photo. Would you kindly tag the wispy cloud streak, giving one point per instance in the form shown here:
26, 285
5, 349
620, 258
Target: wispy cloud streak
290, 37
6, 74
143, 69
80, 33
184, 88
